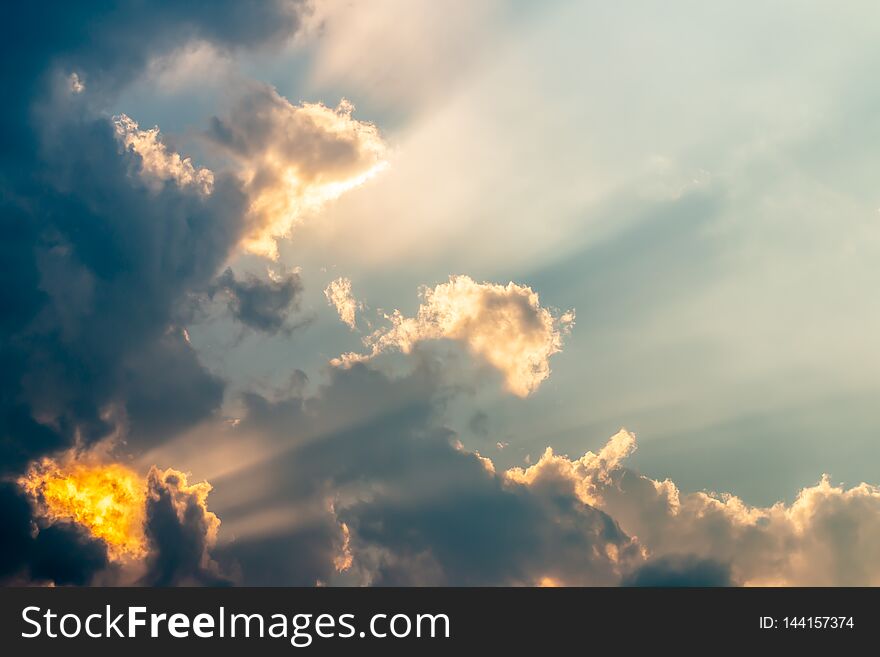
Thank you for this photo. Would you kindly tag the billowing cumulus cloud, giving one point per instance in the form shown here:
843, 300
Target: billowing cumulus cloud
293, 159
826, 537
339, 295
584, 475
181, 531
505, 325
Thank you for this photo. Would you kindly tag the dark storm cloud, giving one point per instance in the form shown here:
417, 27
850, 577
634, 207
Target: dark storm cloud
261, 305
302, 556
419, 509
97, 265
110, 40
65, 553
113, 260
181, 532
62, 553
680, 570
483, 533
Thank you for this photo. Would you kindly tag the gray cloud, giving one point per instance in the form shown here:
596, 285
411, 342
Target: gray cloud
62, 553
680, 571
181, 532
260, 305
369, 453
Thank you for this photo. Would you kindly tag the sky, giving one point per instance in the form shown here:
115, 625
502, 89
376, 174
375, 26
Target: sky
460, 293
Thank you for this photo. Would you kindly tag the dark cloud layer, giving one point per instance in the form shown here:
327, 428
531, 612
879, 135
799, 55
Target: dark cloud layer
419, 509
97, 265
62, 553
181, 531
680, 571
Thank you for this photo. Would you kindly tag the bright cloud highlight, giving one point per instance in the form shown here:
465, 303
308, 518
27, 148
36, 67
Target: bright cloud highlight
294, 159
108, 500
158, 164
339, 295
505, 325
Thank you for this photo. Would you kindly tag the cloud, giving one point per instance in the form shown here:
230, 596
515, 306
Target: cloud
181, 531
107, 500
585, 475
154, 530
107, 235
109, 45
504, 325
679, 571
156, 163
826, 537
293, 159
363, 470
364, 473
483, 530
339, 295
66, 554
420, 509
261, 305
105, 267
96, 260
62, 553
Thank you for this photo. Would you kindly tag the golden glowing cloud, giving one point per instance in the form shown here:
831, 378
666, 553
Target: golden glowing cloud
293, 159
549, 583
112, 501
339, 296
108, 500
585, 474
158, 164
503, 324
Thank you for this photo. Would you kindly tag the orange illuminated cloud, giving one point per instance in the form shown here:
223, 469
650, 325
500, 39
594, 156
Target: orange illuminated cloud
111, 501
107, 499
